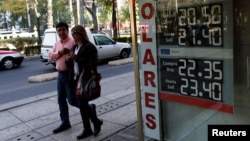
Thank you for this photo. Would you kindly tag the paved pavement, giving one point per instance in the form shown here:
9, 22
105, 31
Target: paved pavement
34, 118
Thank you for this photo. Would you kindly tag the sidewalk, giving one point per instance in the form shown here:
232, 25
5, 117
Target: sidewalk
33, 119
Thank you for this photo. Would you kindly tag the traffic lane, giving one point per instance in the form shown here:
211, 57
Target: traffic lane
14, 84
18, 88
18, 77
29, 90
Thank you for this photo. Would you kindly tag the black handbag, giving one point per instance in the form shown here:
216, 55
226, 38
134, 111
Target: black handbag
92, 89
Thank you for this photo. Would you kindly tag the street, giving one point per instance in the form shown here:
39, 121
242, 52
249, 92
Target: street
15, 86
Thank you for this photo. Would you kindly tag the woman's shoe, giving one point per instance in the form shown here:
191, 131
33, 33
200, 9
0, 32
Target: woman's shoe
85, 134
97, 127
97, 122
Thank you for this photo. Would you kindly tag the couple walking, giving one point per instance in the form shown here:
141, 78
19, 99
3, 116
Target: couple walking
73, 56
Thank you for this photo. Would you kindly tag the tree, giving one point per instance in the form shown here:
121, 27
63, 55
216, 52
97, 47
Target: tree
107, 5
17, 8
92, 11
61, 11
42, 11
18, 11
3, 16
124, 18
105, 11
124, 14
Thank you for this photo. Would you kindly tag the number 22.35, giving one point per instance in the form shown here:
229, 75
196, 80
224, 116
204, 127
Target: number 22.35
210, 69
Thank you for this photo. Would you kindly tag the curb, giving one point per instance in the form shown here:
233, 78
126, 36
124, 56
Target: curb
42, 77
121, 61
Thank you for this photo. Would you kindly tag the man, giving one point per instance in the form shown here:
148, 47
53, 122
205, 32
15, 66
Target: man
64, 91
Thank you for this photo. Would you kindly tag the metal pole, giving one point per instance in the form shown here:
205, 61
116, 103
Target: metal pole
136, 68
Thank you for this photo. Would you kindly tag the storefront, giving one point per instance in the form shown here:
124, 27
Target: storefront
194, 68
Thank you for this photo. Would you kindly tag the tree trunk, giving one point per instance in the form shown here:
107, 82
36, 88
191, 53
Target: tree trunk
114, 19
95, 22
50, 17
92, 11
5, 21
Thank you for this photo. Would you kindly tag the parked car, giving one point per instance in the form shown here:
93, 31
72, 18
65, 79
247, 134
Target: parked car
106, 46
10, 59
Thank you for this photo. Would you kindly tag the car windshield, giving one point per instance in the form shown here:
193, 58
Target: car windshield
103, 40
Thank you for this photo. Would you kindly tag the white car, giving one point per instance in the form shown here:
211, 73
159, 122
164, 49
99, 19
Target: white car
106, 46
10, 59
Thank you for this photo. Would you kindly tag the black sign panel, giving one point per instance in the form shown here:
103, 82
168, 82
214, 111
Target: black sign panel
193, 77
200, 25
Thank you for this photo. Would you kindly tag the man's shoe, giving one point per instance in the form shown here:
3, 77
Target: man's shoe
61, 128
85, 134
97, 128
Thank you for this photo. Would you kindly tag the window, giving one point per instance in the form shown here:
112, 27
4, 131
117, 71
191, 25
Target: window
102, 40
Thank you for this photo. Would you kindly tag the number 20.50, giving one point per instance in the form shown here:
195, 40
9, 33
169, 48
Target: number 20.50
190, 15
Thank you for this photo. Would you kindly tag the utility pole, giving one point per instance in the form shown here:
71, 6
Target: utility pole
50, 17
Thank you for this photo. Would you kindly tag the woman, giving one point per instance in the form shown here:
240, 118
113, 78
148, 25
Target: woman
83, 57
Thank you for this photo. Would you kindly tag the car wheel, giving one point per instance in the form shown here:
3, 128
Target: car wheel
124, 54
8, 63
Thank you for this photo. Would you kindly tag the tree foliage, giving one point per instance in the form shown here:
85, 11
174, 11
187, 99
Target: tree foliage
61, 11
105, 4
99, 12
124, 14
105, 10
16, 7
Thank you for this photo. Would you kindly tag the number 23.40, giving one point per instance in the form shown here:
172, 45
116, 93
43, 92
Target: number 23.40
212, 90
